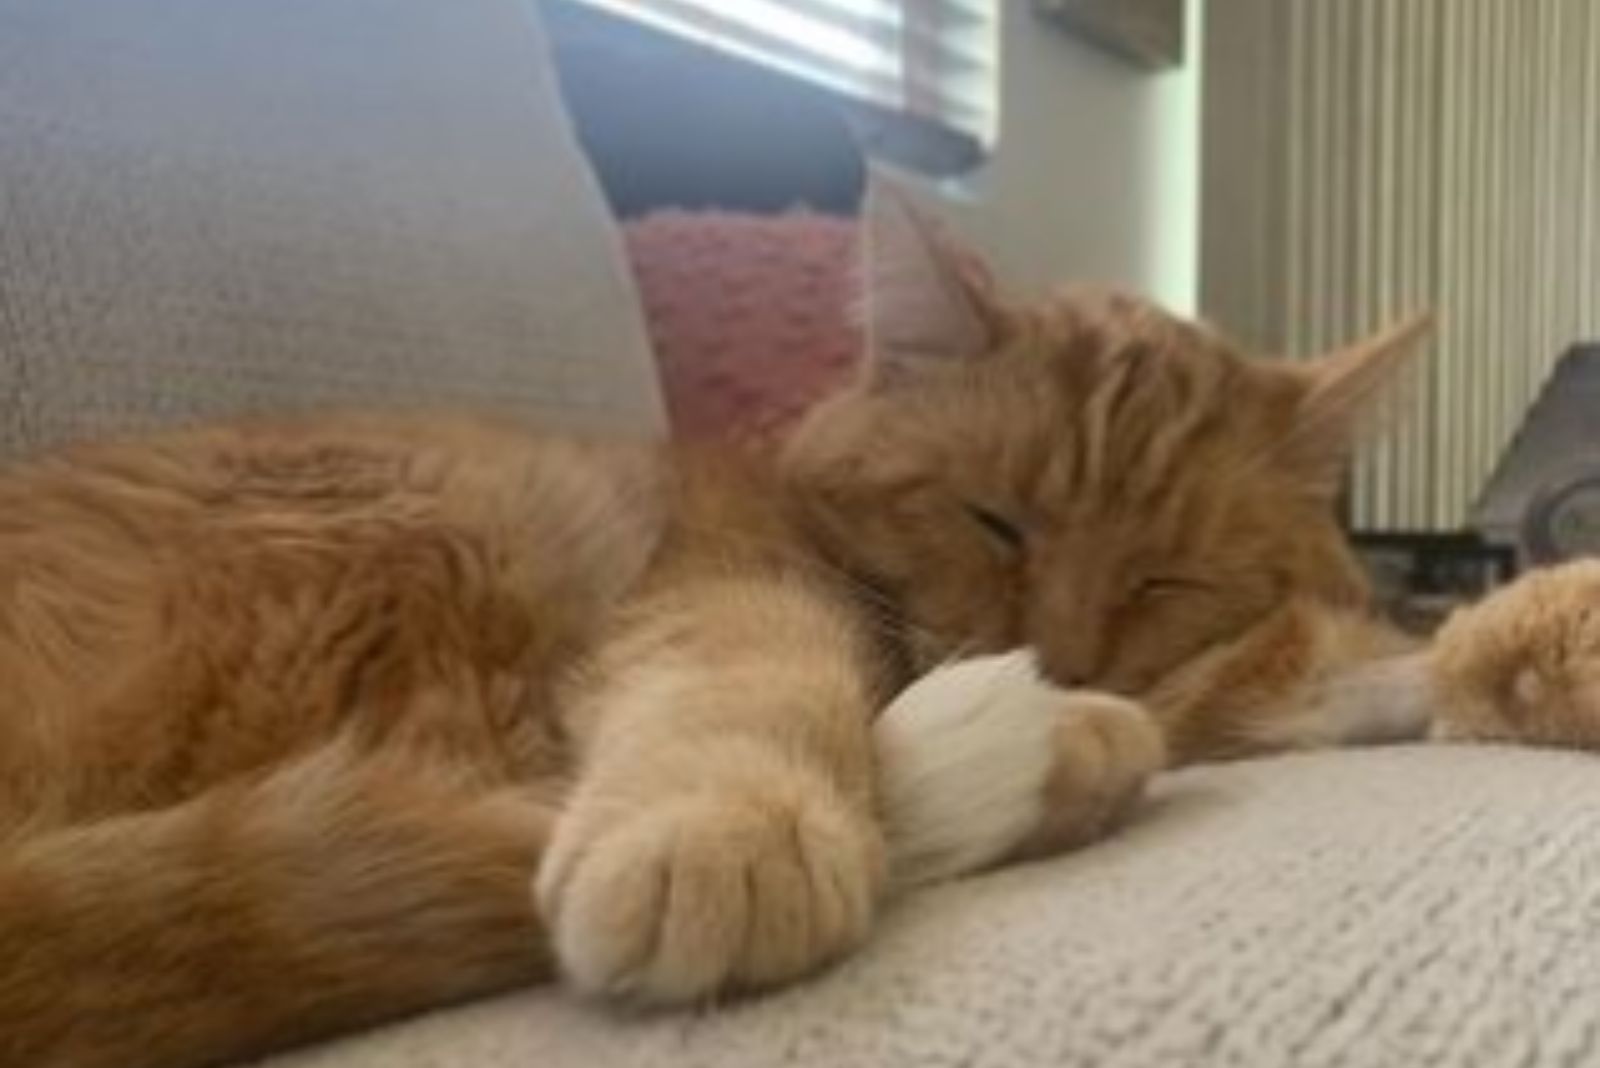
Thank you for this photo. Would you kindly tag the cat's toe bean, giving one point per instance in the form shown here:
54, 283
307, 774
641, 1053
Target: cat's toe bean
708, 893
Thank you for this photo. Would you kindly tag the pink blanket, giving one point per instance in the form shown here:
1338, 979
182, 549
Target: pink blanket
752, 317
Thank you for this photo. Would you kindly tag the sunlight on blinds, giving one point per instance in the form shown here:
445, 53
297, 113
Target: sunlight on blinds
932, 59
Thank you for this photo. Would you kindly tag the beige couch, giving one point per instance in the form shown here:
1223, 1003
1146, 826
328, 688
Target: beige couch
211, 206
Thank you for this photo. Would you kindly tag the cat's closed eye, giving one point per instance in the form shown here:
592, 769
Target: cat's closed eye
1003, 530
1160, 586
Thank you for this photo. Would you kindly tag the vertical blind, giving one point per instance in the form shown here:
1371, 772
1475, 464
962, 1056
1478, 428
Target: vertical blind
933, 60
1409, 154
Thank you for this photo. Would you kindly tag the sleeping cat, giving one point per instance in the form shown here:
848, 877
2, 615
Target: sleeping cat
309, 724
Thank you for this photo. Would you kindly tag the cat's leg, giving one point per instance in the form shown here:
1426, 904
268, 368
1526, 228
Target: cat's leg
1307, 676
1524, 664
983, 761
1380, 701
722, 834
332, 894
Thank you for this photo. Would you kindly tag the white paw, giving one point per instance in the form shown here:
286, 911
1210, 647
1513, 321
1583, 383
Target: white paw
983, 759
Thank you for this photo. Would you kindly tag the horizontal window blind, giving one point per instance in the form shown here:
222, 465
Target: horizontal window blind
933, 60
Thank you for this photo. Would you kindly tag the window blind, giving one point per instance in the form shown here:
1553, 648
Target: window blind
934, 61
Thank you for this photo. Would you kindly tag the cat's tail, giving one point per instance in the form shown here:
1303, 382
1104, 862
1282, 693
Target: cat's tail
333, 893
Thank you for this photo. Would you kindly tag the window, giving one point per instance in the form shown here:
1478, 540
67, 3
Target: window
923, 71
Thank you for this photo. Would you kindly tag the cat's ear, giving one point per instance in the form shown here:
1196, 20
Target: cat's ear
927, 302
1344, 394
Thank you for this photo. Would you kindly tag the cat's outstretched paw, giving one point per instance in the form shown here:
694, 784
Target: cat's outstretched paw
983, 761
715, 890
1524, 664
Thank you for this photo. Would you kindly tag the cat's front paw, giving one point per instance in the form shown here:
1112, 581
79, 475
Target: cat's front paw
1523, 665
984, 760
711, 891
1104, 749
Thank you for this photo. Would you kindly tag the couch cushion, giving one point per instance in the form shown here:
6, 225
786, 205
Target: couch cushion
221, 206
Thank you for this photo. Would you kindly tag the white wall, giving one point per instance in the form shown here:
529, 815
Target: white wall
1096, 170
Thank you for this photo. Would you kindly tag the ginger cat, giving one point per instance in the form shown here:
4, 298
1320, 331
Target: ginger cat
310, 724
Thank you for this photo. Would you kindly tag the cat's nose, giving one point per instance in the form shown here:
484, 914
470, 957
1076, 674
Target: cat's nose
1067, 668
1073, 652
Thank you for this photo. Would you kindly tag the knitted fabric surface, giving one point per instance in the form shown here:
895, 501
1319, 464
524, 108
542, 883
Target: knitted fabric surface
751, 316
1399, 908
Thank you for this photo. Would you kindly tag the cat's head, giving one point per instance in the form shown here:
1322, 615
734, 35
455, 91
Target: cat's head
1117, 487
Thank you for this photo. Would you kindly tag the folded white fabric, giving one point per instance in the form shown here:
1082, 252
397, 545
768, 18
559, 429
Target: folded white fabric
1406, 907
219, 206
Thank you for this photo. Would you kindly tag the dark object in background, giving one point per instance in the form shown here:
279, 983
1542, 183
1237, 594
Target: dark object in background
1419, 579
1563, 519
669, 123
1543, 500
1541, 506
1148, 32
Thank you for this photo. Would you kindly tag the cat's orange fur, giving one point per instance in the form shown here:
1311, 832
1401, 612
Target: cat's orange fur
1524, 664
291, 714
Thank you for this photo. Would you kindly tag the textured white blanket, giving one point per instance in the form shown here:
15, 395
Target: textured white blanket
1406, 907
